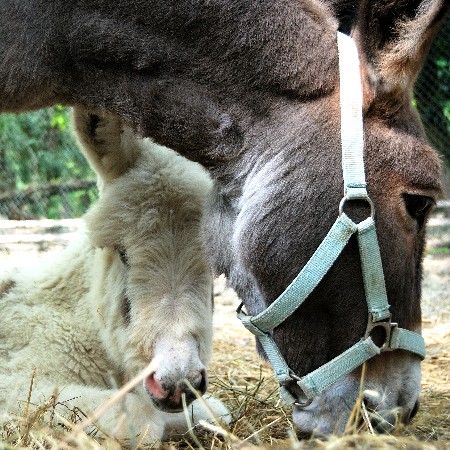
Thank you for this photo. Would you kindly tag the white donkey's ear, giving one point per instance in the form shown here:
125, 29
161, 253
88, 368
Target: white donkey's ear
394, 38
110, 147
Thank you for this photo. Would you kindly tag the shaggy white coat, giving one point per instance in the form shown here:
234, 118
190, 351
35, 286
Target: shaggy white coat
86, 321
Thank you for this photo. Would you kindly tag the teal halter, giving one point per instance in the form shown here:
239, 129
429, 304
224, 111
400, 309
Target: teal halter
326, 254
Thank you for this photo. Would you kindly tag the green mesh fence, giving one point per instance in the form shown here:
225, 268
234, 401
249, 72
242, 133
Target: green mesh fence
43, 173
432, 94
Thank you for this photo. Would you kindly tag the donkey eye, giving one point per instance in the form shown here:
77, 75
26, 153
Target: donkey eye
418, 206
123, 256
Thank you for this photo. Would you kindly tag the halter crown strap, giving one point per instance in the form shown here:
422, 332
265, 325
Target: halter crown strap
324, 257
352, 138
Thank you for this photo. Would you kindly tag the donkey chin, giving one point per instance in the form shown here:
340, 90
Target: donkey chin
386, 402
179, 372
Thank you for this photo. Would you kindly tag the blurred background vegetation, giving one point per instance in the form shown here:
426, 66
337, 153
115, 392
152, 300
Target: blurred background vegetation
432, 94
43, 172
44, 175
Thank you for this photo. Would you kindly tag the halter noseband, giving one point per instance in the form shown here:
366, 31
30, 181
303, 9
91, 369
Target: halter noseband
326, 254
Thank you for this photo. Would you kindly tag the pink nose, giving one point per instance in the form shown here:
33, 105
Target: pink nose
155, 387
166, 395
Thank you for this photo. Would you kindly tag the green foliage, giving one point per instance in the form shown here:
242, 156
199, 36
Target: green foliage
38, 152
432, 93
438, 251
59, 119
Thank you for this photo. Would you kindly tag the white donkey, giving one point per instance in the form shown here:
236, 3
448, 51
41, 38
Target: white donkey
135, 288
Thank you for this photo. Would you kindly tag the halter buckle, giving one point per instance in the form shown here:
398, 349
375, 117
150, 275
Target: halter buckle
386, 325
299, 403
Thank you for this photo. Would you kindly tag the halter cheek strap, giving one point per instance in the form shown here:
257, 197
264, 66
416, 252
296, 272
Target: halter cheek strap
326, 254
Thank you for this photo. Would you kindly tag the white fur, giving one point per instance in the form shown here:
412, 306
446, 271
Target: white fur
66, 319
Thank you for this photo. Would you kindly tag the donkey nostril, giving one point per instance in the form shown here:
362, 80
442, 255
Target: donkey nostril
371, 399
155, 387
203, 382
200, 382
381, 419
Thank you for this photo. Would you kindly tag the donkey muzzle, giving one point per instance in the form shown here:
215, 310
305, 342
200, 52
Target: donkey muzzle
166, 393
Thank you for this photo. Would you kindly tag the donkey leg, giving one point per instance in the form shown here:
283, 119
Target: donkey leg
211, 410
131, 416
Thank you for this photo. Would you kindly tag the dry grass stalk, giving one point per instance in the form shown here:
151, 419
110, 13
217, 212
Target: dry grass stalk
248, 387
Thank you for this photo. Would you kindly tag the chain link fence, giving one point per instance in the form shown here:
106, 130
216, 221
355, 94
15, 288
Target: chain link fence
432, 97
44, 175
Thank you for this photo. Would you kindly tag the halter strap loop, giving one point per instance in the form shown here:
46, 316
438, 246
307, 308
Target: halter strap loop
315, 382
404, 339
372, 269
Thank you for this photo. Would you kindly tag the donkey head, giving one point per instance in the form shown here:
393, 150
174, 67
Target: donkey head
152, 281
264, 230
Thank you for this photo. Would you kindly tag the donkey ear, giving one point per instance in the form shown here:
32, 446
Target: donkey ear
110, 147
394, 38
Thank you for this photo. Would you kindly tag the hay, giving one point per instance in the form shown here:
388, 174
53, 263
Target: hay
247, 386
249, 382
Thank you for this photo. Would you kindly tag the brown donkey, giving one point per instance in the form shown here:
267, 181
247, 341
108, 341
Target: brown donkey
251, 91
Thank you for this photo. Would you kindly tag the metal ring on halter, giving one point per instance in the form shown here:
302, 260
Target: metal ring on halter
298, 403
366, 199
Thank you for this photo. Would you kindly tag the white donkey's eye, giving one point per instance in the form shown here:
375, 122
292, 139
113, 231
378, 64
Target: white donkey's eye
123, 256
